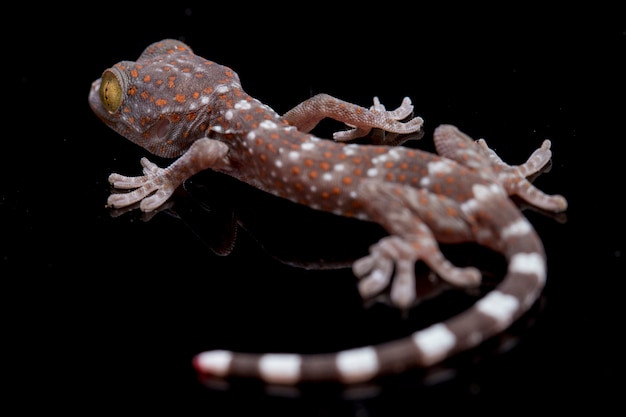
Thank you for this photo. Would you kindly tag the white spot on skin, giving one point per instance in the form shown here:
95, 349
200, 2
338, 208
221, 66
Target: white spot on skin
357, 364
435, 342
498, 306
251, 136
518, 228
221, 89
214, 362
293, 155
280, 368
425, 182
437, 167
268, 124
217, 129
279, 163
353, 194
395, 154
481, 192
339, 167
528, 263
308, 146
228, 115
242, 105
327, 176
372, 172
470, 206
350, 149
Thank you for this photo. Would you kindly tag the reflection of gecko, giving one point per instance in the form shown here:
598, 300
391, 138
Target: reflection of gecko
178, 105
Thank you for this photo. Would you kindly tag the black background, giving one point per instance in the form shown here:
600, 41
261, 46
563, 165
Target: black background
103, 311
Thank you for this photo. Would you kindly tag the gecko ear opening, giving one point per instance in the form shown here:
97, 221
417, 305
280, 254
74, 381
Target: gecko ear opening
111, 92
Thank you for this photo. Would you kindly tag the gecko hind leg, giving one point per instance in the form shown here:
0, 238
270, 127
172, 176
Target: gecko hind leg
392, 259
514, 177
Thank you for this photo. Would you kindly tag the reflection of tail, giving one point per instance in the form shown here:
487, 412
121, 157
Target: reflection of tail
490, 315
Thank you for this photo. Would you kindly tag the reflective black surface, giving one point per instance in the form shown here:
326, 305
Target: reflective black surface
104, 310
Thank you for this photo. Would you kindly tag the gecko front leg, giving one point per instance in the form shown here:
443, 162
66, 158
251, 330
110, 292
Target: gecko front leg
306, 115
157, 184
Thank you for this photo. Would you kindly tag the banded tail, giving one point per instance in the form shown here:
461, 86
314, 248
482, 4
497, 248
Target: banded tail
490, 315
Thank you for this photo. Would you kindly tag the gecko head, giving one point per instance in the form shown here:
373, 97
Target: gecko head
157, 102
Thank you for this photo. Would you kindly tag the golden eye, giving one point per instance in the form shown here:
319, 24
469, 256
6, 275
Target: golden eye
110, 92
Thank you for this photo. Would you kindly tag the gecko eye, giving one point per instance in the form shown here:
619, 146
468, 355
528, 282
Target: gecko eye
110, 92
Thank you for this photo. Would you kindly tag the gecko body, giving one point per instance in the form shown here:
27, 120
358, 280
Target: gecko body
178, 105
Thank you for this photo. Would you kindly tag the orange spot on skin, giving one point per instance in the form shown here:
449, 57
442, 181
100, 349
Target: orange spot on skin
147, 78
336, 190
175, 118
404, 165
313, 175
160, 102
195, 94
357, 159
180, 98
208, 90
131, 91
134, 73
389, 176
325, 195
325, 165
410, 154
451, 211
274, 136
450, 179
401, 177
295, 170
388, 164
263, 157
308, 162
299, 187
328, 154
358, 172
347, 180
159, 82
170, 81
145, 95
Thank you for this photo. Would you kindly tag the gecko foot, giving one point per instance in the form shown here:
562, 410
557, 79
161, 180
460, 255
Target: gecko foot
151, 189
514, 177
383, 119
395, 257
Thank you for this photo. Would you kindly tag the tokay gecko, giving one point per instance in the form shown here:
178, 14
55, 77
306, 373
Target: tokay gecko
178, 105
